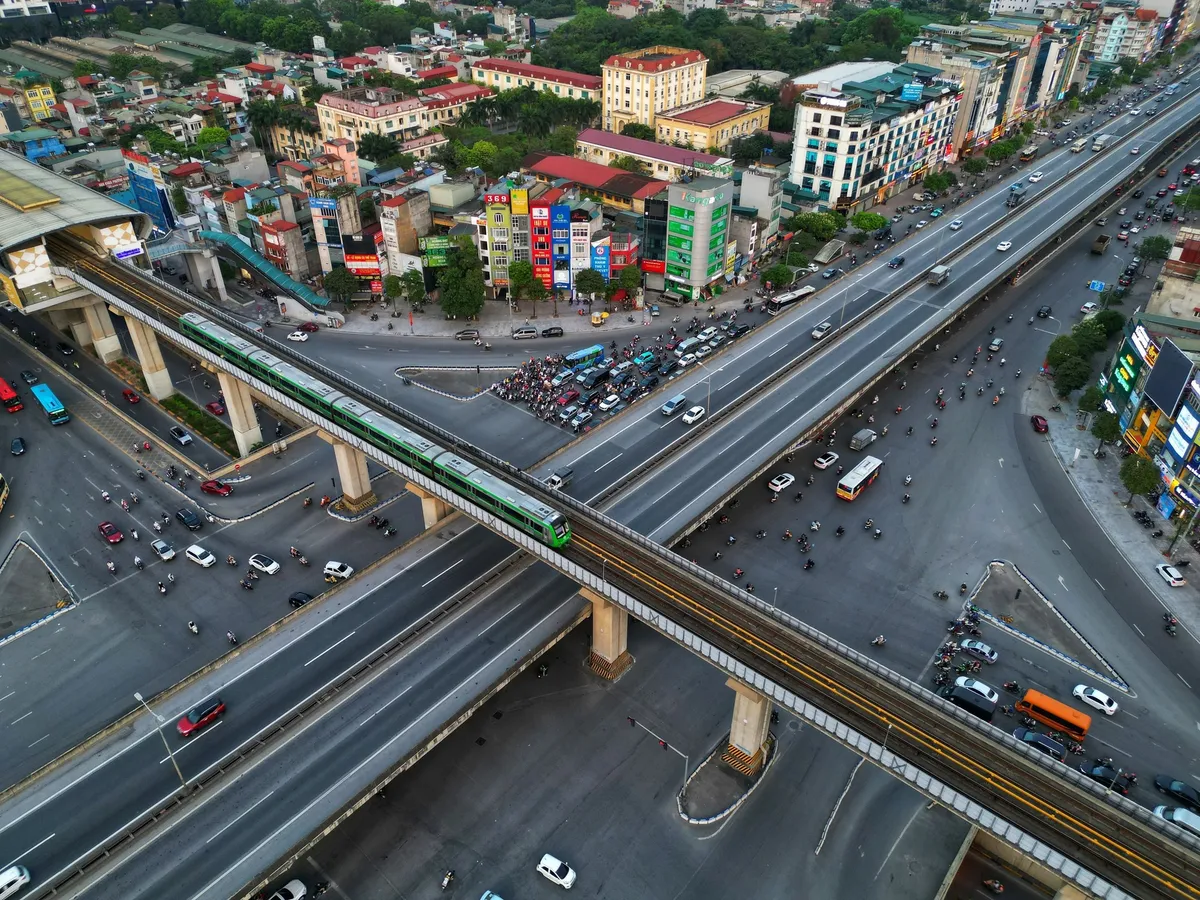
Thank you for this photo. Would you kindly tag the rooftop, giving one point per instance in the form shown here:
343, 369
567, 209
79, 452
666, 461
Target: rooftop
655, 59
588, 174
711, 112
35, 201
621, 143
542, 73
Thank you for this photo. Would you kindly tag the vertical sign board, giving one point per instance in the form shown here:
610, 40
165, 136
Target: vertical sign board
600, 260
560, 221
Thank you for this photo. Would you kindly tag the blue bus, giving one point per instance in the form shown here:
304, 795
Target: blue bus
581, 359
55, 411
1173, 89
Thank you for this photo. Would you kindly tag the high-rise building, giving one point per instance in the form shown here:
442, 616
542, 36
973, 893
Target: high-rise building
640, 84
699, 243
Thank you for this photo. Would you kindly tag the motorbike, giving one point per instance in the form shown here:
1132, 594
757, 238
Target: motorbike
162, 588
941, 595
1012, 687
193, 627
447, 878
247, 584
303, 560
231, 637
137, 562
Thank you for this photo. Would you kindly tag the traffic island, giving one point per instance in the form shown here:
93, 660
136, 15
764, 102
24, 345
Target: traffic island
721, 784
30, 594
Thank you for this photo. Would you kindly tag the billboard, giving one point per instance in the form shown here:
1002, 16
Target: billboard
657, 266
358, 245
321, 203
540, 213
519, 202
435, 250
543, 273
600, 260
560, 217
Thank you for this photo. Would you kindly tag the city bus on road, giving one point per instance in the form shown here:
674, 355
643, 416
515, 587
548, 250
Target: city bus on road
1057, 716
1029, 153
3, 491
859, 477
9, 397
53, 408
1173, 89
778, 304
581, 359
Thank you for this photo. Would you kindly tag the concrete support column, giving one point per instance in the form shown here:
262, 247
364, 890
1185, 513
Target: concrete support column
609, 657
1070, 892
154, 370
433, 509
103, 335
197, 270
750, 729
239, 403
356, 483
218, 280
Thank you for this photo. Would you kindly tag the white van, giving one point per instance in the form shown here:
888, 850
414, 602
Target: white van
12, 880
673, 405
1185, 819
685, 347
199, 556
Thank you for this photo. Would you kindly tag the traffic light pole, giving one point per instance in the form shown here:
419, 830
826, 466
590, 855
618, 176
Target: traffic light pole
634, 723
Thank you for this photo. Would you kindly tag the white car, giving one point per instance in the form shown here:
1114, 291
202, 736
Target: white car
956, 224
162, 550
703, 351
609, 402
1004, 246
298, 336
693, 415
1095, 699
977, 687
1170, 575
706, 335
1136, 229
781, 482
1134, 151
557, 871
199, 556
1089, 307
293, 890
337, 571
922, 223
264, 564
1136, 111
686, 360
1036, 177
821, 330
825, 460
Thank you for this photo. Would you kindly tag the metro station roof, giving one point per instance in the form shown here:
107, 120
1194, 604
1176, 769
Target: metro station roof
35, 201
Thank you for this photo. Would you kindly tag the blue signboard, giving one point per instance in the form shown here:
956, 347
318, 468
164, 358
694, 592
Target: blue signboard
1097, 286
560, 217
911, 93
600, 261
321, 203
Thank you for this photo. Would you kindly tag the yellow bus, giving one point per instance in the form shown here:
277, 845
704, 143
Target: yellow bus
1058, 716
3, 491
859, 477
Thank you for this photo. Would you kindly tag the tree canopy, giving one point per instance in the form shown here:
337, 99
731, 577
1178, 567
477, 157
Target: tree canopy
461, 282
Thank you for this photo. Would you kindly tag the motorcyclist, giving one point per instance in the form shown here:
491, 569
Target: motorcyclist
137, 561
193, 628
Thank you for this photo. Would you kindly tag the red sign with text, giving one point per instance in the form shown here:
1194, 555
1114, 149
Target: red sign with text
659, 266
543, 274
489, 199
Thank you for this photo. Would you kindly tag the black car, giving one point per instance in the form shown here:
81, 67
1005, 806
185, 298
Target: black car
298, 599
738, 330
1139, 193
630, 393
1127, 224
1108, 777
617, 380
28, 377
1178, 790
1043, 312
883, 233
1125, 280
552, 331
190, 520
650, 381
17, 446
65, 349
668, 367
895, 262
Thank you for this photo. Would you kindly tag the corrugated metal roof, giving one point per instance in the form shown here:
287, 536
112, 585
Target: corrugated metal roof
78, 206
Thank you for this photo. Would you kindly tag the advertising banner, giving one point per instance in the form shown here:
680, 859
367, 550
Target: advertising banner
544, 274
519, 201
560, 217
600, 260
657, 266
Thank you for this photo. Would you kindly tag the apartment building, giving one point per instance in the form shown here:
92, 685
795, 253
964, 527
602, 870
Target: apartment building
283, 245
639, 85
699, 243
857, 146
404, 220
370, 110
1125, 30
503, 75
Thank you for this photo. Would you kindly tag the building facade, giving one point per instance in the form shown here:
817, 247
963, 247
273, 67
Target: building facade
503, 75
658, 160
712, 124
699, 243
638, 85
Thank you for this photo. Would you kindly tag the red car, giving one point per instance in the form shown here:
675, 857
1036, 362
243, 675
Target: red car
217, 408
569, 397
111, 533
220, 488
1040, 425
309, 327
1173, 186
204, 714
130, 396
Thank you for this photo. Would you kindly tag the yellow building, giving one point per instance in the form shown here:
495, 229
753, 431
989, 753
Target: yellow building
714, 123
290, 142
40, 100
370, 110
639, 85
503, 75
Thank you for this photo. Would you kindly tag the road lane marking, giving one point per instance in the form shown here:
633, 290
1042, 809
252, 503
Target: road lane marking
1184, 680
191, 742
385, 706
13, 862
1139, 631
1102, 587
498, 621
728, 446
614, 459
729, 382
38, 741
440, 574
668, 490
237, 819
333, 645
6, 696
23, 718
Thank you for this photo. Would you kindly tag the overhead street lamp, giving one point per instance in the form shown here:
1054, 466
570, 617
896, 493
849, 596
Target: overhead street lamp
158, 720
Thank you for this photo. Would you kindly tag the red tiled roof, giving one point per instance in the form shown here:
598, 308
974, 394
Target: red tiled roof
354, 62
541, 73
221, 97
394, 202
638, 147
582, 172
184, 169
278, 225
437, 72
260, 68
657, 63
452, 94
709, 113
86, 81
234, 196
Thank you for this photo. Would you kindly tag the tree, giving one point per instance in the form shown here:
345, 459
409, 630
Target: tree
629, 164
393, 288
414, 287
212, 135
520, 279
179, 198
1071, 375
537, 293
124, 20
1106, 428
1091, 399
340, 284
1090, 337
974, 166
868, 221
461, 282
638, 130
377, 146
1154, 247
1110, 320
937, 182
589, 282
1061, 349
778, 276
822, 226
630, 279
83, 67
1140, 476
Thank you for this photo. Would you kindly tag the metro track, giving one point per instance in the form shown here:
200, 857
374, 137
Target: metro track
1042, 802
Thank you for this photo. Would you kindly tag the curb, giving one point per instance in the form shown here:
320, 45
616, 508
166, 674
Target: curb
772, 746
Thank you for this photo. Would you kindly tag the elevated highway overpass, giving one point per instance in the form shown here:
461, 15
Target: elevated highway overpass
756, 645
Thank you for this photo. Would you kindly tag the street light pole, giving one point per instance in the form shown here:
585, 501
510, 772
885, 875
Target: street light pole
158, 720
